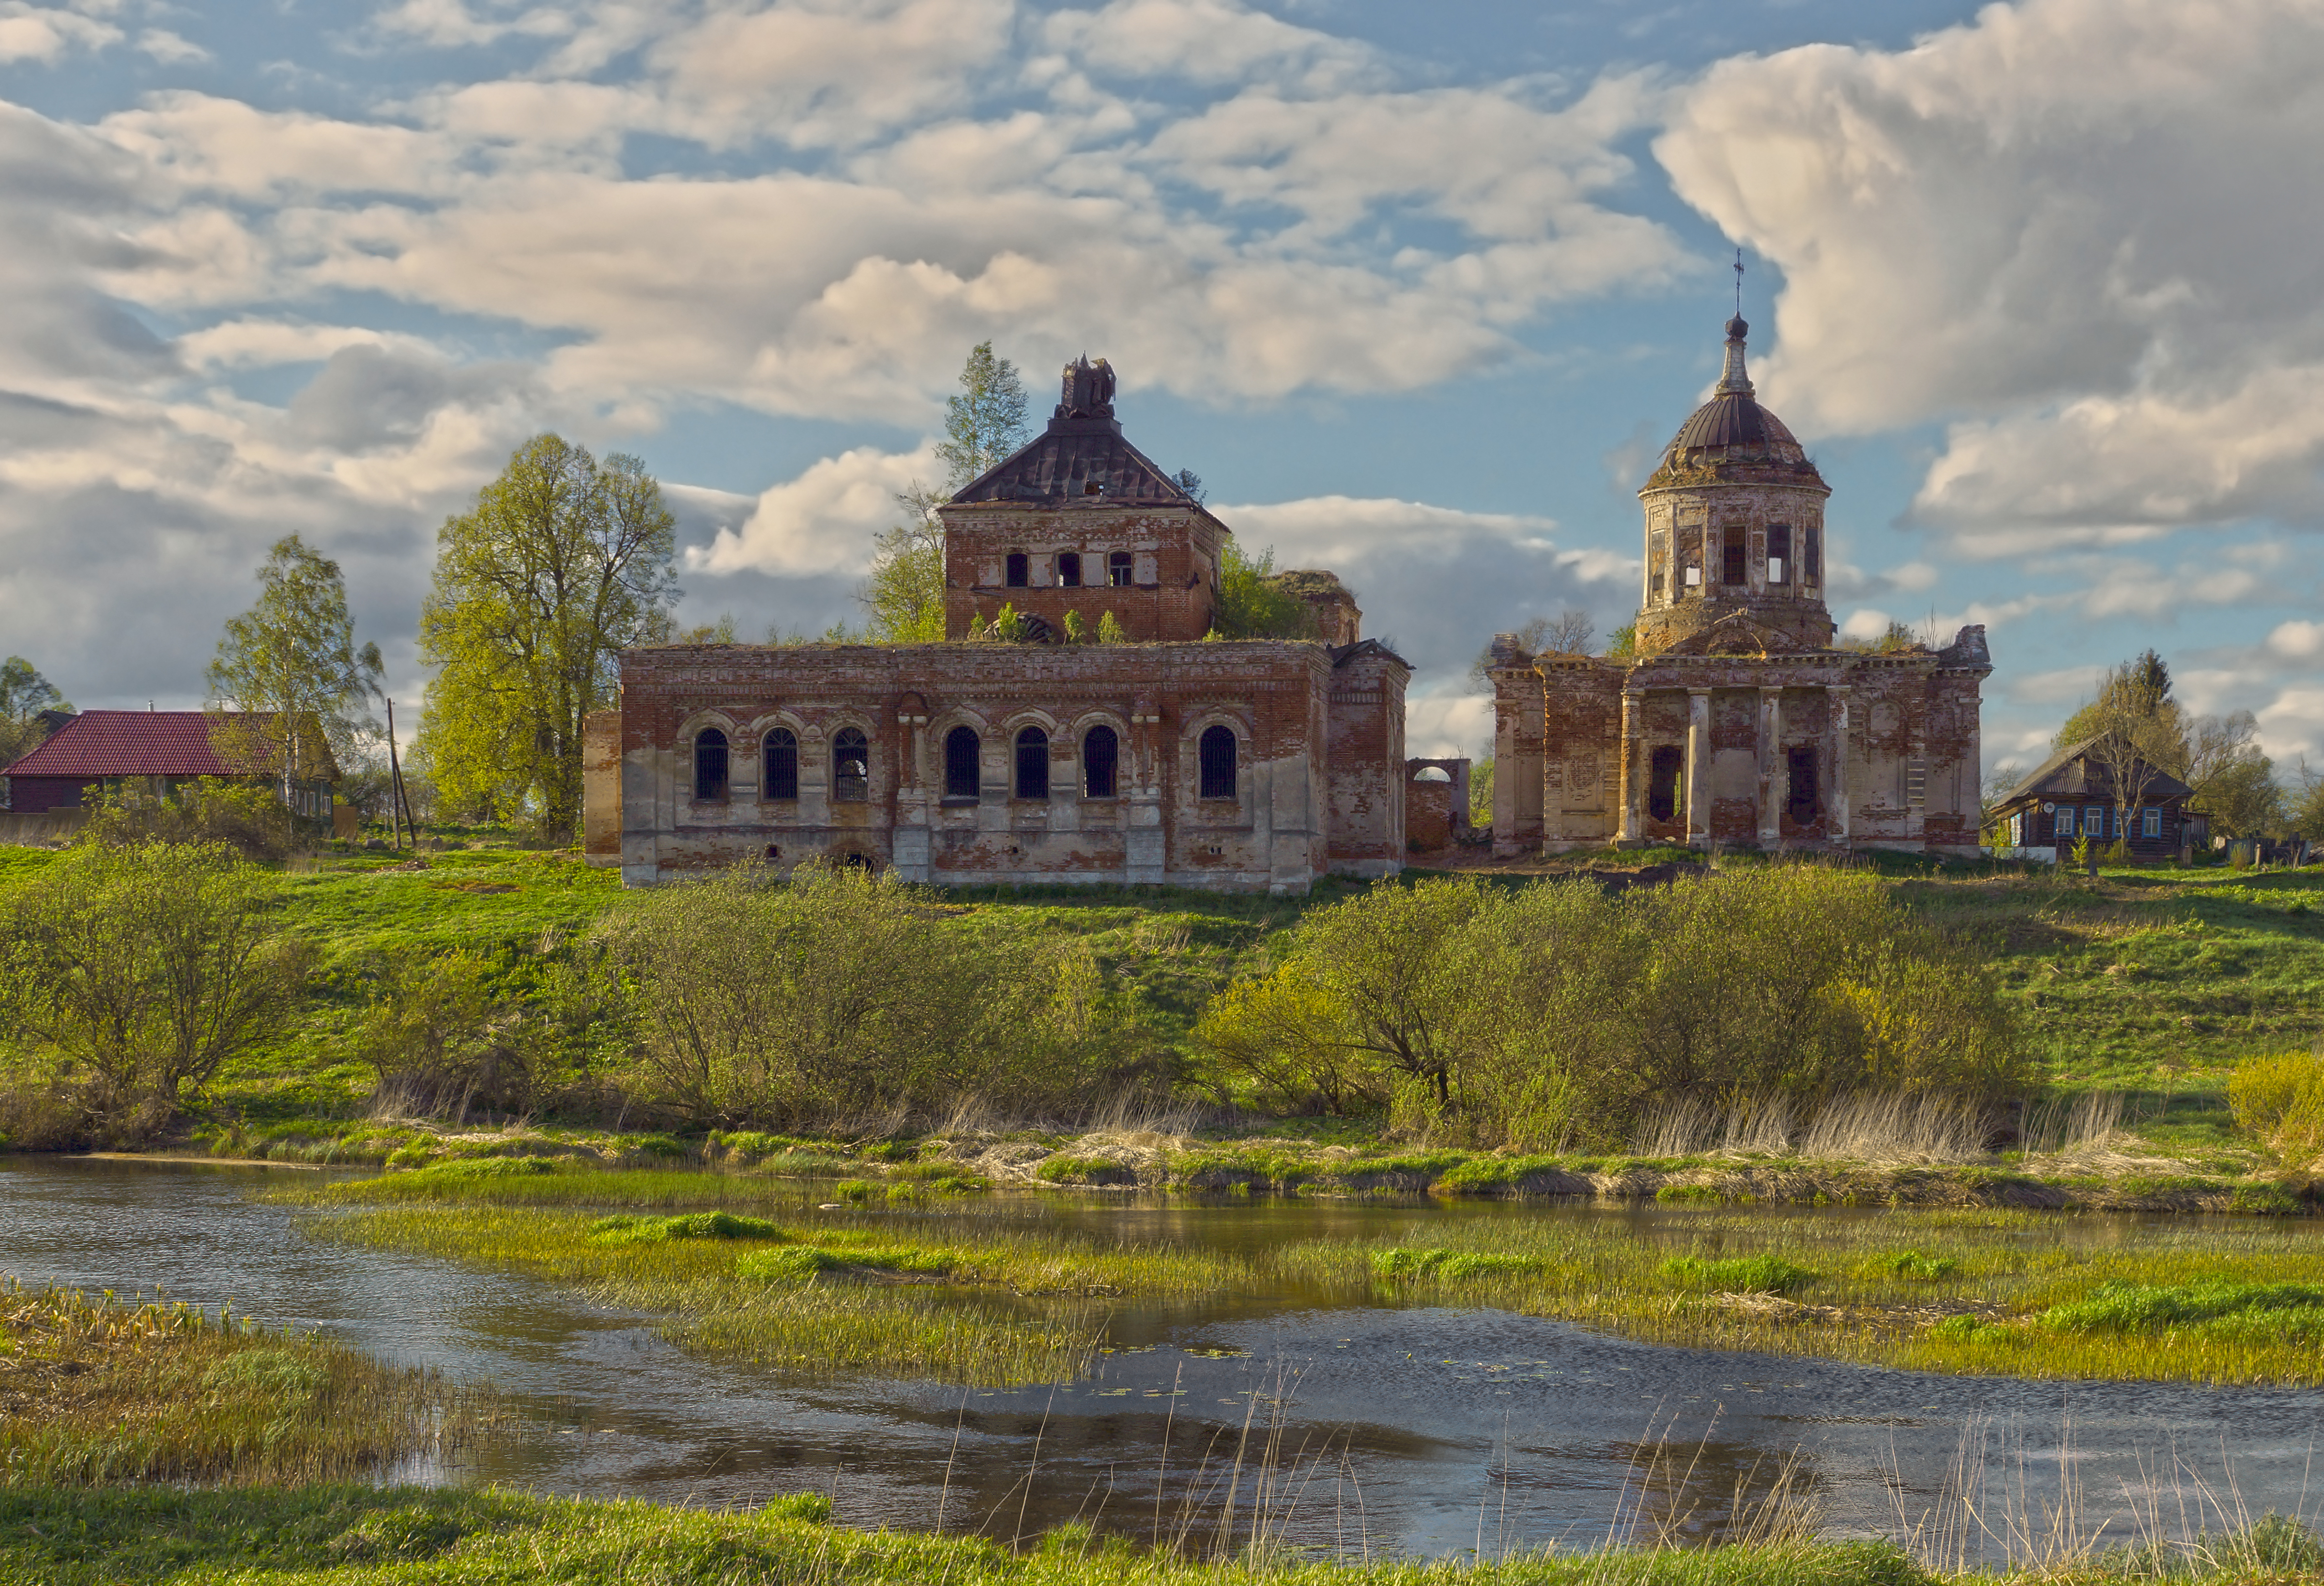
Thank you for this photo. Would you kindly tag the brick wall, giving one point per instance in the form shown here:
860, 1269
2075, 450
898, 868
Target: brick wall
1174, 553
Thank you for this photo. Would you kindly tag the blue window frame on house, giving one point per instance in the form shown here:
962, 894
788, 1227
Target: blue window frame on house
2150, 823
2094, 822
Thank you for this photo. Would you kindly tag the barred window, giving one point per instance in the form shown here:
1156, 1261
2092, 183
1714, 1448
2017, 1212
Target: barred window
710, 765
963, 767
851, 767
780, 752
1734, 551
1811, 556
1117, 569
1100, 754
1032, 763
1217, 755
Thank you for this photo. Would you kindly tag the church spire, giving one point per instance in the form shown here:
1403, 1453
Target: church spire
1734, 377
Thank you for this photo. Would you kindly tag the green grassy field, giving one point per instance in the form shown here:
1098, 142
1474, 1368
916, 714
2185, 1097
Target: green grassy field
2149, 983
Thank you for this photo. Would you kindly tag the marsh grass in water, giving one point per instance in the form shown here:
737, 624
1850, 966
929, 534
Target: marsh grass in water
400, 1536
95, 1390
977, 1304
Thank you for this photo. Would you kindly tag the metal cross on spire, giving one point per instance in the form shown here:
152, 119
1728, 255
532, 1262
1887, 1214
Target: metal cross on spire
1738, 284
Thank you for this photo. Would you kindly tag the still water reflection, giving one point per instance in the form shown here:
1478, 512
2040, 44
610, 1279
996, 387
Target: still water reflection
1408, 1430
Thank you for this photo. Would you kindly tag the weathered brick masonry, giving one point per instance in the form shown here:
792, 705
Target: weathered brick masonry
1734, 720
1248, 764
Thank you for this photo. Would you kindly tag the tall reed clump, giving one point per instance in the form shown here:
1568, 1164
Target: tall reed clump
2280, 1101
840, 993
100, 1390
1555, 1014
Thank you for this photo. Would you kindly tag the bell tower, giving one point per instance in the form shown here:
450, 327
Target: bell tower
1734, 523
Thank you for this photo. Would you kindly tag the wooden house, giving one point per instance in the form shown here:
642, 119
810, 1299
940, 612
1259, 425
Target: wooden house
2072, 794
157, 750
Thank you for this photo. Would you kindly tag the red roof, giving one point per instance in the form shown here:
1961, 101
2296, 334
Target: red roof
127, 743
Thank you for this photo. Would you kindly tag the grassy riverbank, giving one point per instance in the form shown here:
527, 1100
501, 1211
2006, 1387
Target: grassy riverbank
369, 1536
973, 1291
97, 1390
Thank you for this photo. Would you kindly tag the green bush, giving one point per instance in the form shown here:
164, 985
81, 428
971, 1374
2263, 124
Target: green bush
1738, 1275
1554, 1015
839, 993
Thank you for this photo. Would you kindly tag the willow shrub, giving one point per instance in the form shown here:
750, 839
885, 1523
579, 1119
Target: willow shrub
840, 993
2280, 1100
1554, 1015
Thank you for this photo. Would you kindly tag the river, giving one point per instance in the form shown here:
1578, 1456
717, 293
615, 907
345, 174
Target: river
1394, 1430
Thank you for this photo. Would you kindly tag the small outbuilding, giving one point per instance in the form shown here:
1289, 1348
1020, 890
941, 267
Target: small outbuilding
2072, 794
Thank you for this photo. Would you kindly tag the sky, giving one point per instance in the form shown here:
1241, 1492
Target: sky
1419, 291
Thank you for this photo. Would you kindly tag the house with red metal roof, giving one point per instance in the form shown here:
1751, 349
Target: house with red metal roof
104, 750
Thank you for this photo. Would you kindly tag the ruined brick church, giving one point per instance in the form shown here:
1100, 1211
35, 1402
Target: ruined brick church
1734, 720
1168, 758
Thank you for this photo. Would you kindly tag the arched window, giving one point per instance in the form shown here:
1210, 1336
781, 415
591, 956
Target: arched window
1100, 754
1018, 569
851, 767
1117, 566
709, 765
963, 767
1032, 763
1217, 751
1069, 570
782, 754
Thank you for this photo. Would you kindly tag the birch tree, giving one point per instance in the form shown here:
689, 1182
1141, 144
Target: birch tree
287, 666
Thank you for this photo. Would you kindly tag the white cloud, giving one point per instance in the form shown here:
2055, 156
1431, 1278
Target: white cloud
2298, 641
1207, 40
823, 520
45, 34
453, 24
170, 48
2088, 230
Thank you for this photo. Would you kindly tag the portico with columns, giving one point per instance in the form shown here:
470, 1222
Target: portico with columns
1735, 720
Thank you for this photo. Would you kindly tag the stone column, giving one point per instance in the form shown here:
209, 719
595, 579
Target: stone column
1698, 768
1633, 781
1771, 753
1835, 798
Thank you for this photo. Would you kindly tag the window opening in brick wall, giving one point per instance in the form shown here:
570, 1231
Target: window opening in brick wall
1069, 570
1032, 763
1664, 778
1811, 555
963, 767
1734, 551
851, 767
782, 754
1217, 755
709, 765
1779, 553
1118, 569
1916, 783
1100, 757
1800, 805
1018, 566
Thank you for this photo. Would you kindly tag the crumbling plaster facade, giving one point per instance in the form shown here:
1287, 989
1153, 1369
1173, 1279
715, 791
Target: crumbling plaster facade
1734, 720
1090, 762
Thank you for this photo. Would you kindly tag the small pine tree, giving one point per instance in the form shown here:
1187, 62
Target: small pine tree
1110, 632
1007, 625
976, 628
1076, 631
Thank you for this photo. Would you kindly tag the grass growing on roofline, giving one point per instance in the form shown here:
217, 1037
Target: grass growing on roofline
95, 1390
405, 1536
968, 1292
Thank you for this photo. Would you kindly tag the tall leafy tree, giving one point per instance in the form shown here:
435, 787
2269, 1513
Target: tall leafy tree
986, 422
288, 663
25, 694
563, 563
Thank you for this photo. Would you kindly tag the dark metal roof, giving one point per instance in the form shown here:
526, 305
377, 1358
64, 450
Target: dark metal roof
1732, 427
2069, 774
1081, 458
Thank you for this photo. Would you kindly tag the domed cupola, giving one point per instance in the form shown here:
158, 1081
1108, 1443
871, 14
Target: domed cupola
1731, 433
1734, 525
